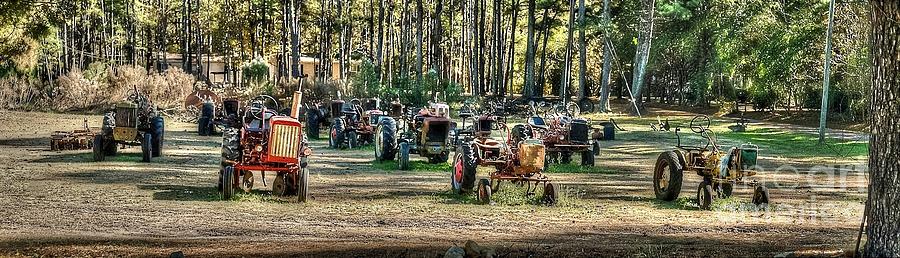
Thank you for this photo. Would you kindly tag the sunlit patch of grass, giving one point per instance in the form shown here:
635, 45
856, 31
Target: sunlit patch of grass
256, 196
575, 167
414, 165
511, 194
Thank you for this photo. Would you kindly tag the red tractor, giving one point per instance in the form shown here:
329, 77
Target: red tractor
265, 141
517, 160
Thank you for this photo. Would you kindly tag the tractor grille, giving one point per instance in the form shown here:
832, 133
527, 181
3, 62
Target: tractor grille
579, 131
126, 117
285, 141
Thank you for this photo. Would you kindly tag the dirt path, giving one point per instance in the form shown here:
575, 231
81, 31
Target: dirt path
61, 204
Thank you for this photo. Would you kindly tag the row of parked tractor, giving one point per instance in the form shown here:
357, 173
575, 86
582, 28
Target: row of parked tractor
259, 135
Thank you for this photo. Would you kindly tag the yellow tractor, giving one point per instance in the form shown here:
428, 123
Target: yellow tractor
134, 122
720, 169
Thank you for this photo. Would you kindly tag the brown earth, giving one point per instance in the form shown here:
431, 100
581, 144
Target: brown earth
62, 204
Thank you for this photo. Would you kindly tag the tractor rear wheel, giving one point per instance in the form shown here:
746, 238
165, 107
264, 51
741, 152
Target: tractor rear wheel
550, 195
552, 158
99, 148
404, 156
303, 185
279, 186
203, 126
462, 178
761, 196
704, 195
158, 130
586, 105
146, 147
231, 144
384, 139
667, 176
587, 158
484, 191
227, 183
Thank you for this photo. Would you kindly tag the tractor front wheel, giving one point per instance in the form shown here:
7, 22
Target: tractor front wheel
439, 158
279, 186
303, 185
404, 156
667, 176
595, 146
550, 195
99, 148
704, 195
146, 147
352, 138
227, 183
725, 190
484, 191
587, 158
761, 196
159, 132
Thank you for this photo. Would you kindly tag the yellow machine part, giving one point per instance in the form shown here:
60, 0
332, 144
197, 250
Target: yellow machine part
531, 158
125, 133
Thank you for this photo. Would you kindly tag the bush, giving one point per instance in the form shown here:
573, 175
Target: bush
22, 93
764, 99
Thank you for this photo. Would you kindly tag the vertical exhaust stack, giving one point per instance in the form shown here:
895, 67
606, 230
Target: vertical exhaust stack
295, 106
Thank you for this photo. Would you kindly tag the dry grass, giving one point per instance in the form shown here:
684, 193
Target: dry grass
96, 87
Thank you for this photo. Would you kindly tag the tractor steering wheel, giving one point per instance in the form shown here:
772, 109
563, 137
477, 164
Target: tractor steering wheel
256, 111
700, 124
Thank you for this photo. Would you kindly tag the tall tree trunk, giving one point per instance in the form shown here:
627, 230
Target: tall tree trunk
585, 91
542, 75
607, 58
567, 62
642, 51
420, 18
884, 170
528, 88
436, 35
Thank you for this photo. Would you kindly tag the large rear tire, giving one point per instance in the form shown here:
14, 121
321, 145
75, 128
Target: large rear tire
667, 176
404, 156
312, 123
231, 144
384, 139
464, 169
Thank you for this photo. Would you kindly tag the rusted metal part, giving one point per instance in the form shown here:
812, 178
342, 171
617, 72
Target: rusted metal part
80, 139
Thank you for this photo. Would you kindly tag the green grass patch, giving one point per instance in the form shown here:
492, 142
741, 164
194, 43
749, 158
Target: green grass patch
512, 195
414, 165
257, 196
575, 167
791, 144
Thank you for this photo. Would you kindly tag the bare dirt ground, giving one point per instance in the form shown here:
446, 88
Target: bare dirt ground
62, 204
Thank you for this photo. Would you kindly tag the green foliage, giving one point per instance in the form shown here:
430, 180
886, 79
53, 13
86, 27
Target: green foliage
256, 72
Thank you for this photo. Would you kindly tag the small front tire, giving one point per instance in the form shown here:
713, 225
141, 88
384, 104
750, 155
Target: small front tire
484, 191
404, 156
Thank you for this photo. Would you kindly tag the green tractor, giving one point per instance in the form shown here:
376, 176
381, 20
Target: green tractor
720, 169
134, 122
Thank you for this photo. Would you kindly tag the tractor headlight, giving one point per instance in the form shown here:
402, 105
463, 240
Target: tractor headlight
307, 151
258, 148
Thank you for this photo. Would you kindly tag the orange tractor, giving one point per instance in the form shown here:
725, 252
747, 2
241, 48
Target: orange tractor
514, 159
265, 141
